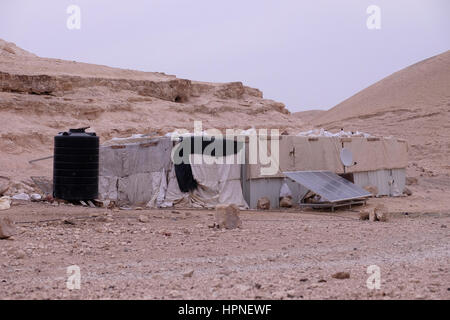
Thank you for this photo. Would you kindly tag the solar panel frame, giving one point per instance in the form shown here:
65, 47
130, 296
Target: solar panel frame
328, 185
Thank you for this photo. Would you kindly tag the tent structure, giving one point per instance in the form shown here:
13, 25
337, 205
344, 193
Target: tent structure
140, 170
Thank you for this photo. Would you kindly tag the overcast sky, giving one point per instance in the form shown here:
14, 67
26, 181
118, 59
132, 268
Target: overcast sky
307, 54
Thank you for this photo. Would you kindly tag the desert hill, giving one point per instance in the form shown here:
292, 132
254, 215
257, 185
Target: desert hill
414, 104
40, 97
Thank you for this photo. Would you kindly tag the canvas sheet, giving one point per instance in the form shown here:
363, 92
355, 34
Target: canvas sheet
218, 184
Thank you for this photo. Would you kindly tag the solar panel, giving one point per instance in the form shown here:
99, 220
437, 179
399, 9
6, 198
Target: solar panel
328, 185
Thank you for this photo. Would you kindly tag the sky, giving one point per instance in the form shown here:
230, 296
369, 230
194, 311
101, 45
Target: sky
306, 54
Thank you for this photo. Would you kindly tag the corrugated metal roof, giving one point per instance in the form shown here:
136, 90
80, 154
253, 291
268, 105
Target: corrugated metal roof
328, 185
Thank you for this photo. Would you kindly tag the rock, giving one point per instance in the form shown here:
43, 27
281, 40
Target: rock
411, 181
21, 196
4, 185
5, 203
341, 275
35, 197
372, 216
263, 203
70, 222
286, 202
144, 219
407, 192
227, 216
7, 228
364, 215
188, 274
372, 189
381, 213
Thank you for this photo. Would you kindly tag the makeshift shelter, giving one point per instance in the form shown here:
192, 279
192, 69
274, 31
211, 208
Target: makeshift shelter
378, 162
140, 170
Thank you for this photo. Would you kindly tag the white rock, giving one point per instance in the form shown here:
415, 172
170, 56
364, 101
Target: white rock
35, 197
5, 203
21, 196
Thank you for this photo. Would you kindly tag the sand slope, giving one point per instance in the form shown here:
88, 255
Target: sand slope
414, 104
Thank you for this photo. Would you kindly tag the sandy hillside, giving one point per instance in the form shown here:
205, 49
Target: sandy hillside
40, 97
413, 103
308, 116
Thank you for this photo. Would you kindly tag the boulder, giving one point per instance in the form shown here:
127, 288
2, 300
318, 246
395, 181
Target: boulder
407, 192
411, 181
144, 219
341, 275
227, 216
5, 203
4, 185
263, 203
364, 215
7, 228
286, 202
381, 213
372, 189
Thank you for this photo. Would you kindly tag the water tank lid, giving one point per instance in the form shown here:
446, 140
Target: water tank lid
78, 131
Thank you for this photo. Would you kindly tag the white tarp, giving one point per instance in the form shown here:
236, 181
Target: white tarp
217, 184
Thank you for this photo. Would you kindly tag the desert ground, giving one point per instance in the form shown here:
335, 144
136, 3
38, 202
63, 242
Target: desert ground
174, 253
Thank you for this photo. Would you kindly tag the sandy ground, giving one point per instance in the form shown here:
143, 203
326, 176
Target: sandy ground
275, 255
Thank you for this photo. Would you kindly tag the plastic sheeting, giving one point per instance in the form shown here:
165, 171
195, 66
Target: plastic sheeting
132, 170
217, 184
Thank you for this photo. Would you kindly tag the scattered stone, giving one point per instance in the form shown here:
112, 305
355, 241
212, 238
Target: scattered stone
407, 192
372, 189
341, 275
286, 202
144, 219
303, 280
4, 185
7, 228
444, 226
364, 215
278, 295
69, 221
188, 274
263, 203
21, 196
5, 203
411, 181
381, 213
138, 208
20, 254
35, 197
372, 216
227, 216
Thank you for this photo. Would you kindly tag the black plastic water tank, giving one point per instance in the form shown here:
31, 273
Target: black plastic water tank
75, 165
